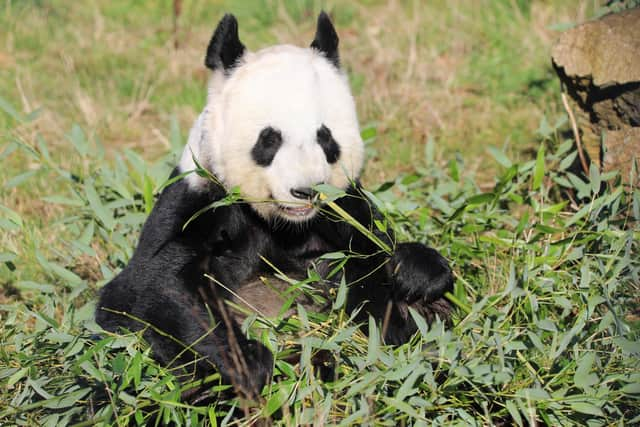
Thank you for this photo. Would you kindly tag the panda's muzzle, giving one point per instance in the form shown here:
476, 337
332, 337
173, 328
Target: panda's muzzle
304, 209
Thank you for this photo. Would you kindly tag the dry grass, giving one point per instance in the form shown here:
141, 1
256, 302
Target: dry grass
416, 60
410, 62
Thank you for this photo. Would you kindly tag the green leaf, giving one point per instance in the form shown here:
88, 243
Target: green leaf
567, 161
8, 150
79, 140
561, 121
368, 133
10, 110
410, 179
628, 346
139, 417
594, 178
578, 215
67, 276
583, 377
19, 179
421, 323
87, 234
66, 400
100, 211
7, 257
330, 191
453, 170
341, 296
499, 156
302, 314
401, 406
587, 408
409, 386
547, 325
381, 226
533, 394
12, 216
277, 399
514, 412
17, 376
28, 285
373, 346
522, 223
546, 229
213, 417
544, 129
92, 370
538, 172
480, 199
175, 137
429, 156
147, 193
137, 162
37, 387
633, 388
62, 200
135, 369
583, 188
333, 255
555, 208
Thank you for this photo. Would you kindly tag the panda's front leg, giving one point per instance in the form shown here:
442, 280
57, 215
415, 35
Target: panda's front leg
386, 286
244, 363
419, 277
192, 331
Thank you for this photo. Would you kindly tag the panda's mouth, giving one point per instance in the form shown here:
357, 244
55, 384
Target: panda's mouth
298, 212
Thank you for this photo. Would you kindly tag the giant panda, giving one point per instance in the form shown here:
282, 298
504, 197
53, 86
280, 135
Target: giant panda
277, 123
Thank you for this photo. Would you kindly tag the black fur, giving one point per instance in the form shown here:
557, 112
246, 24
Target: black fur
266, 147
329, 145
326, 39
225, 47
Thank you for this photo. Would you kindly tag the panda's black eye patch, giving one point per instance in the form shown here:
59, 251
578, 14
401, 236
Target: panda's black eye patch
266, 147
329, 145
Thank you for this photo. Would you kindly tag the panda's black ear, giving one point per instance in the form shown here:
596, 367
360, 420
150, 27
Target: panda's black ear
326, 39
225, 48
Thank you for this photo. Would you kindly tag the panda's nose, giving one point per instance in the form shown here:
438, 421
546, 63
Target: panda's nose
305, 193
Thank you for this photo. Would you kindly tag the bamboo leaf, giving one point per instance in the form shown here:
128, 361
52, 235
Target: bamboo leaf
538, 172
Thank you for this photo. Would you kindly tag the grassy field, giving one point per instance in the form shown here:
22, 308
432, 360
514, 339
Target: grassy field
468, 148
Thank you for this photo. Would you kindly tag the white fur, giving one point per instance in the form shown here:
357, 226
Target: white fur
193, 149
294, 90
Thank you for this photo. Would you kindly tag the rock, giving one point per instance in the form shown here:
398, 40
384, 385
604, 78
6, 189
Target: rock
599, 65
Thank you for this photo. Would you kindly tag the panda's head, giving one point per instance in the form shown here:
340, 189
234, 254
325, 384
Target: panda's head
278, 121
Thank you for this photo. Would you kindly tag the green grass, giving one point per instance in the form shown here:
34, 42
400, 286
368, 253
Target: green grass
547, 262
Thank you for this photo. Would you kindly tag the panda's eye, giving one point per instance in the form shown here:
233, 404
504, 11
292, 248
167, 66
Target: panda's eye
329, 145
266, 147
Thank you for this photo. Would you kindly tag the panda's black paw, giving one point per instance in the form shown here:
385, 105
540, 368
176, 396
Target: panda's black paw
419, 274
420, 277
249, 376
